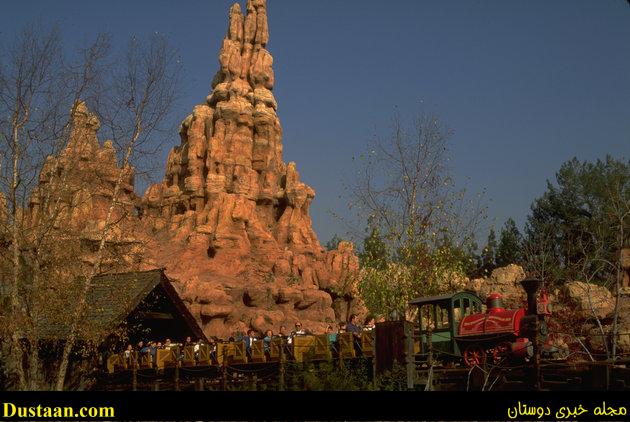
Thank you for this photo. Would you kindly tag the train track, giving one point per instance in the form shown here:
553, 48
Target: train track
556, 374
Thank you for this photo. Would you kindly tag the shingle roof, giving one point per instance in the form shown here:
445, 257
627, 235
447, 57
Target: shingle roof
426, 299
438, 298
110, 299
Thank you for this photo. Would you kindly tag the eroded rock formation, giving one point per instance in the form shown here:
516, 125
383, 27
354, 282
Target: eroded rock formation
231, 219
75, 194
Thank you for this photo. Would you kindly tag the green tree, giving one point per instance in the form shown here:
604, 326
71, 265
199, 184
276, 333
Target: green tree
510, 244
580, 222
578, 227
375, 252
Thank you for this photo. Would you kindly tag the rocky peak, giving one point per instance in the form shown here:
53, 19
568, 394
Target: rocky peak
76, 188
236, 217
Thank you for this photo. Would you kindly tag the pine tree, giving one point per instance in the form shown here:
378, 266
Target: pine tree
510, 246
581, 221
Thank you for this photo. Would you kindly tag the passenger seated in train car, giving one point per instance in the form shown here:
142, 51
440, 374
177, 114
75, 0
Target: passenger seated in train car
380, 318
249, 339
332, 336
352, 326
167, 344
370, 323
334, 345
144, 348
196, 347
283, 332
213, 344
153, 347
140, 346
356, 330
297, 332
188, 342
267, 341
287, 340
128, 351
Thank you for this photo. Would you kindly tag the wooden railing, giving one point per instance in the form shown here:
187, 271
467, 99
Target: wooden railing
307, 347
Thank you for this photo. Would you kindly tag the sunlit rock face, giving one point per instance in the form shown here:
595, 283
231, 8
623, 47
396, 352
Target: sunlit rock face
230, 221
73, 204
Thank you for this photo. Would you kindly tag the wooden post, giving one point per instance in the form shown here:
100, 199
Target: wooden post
281, 368
176, 378
224, 369
134, 378
200, 383
133, 361
430, 333
410, 363
156, 385
374, 358
537, 374
340, 353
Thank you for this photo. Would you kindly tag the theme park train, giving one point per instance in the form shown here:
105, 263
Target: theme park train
454, 327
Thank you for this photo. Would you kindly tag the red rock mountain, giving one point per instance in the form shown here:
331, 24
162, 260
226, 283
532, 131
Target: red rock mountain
230, 219
75, 192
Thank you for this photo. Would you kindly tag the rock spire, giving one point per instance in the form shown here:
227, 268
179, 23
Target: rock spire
232, 219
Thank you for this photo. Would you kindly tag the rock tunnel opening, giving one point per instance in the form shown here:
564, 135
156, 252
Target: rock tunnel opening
280, 207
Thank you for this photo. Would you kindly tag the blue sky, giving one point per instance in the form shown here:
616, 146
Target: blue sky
524, 86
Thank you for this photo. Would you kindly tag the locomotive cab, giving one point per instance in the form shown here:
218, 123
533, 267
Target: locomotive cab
438, 322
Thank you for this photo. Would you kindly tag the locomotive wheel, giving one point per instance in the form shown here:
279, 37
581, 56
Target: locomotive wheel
500, 352
474, 355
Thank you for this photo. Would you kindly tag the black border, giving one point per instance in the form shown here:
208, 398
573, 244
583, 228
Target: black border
321, 406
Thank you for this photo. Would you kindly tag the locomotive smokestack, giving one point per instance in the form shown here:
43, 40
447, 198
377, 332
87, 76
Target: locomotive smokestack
531, 286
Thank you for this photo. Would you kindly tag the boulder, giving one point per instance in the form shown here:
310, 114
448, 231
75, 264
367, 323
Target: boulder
503, 280
589, 299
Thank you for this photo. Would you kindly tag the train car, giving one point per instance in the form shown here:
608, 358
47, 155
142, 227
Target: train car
439, 318
457, 327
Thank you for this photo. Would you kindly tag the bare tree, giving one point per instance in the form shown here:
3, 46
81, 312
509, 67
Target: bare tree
142, 97
539, 254
403, 186
42, 117
35, 84
404, 192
